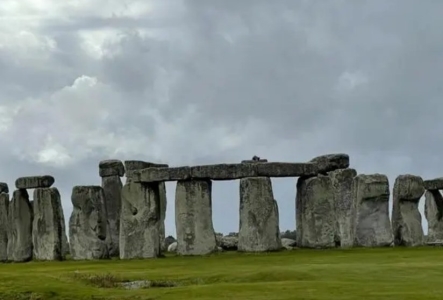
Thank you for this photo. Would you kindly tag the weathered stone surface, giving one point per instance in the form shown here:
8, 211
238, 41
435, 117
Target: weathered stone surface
406, 218
172, 247
33, 182
46, 226
434, 184
4, 188
163, 204
87, 224
223, 171
65, 244
316, 222
259, 218
250, 161
132, 165
330, 162
434, 215
140, 221
112, 188
288, 244
4, 225
373, 227
342, 181
20, 227
111, 167
282, 169
228, 243
151, 175
180, 173
193, 217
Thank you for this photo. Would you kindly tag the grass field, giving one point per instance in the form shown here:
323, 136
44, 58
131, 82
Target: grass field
390, 273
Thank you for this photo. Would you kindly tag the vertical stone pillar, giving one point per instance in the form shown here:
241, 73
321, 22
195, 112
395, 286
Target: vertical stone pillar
110, 171
47, 235
434, 215
193, 217
259, 219
373, 227
316, 221
87, 224
4, 222
342, 180
406, 218
133, 165
140, 218
65, 244
20, 227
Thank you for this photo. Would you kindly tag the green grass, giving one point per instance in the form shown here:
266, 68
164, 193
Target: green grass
389, 273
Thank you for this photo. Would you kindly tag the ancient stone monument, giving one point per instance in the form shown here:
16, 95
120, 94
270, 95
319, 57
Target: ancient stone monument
434, 209
342, 181
142, 216
259, 220
372, 224
87, 225
47, 231
406, 219
193, 217
4, 222
110, 171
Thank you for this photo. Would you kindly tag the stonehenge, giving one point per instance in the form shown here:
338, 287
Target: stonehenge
334, 207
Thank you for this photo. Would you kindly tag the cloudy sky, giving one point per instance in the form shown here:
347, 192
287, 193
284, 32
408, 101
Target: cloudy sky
208, 81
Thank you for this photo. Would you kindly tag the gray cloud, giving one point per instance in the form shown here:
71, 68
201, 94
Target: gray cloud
193, 82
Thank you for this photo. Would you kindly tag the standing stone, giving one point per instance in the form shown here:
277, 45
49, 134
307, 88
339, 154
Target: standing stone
373, 227
112, 187
4, 188
140, 217
87, 225
193, 217
434, 215
65, 244
406, 218
46, 226
342, 181
316, 222
20, 227
4, 225
259, 219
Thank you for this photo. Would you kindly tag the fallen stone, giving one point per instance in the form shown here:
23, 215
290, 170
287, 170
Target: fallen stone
4, 188
288, 244
434, 215
259, 218
33, 182
330, 162
88, 224
4, 225
168, 241
20, 227
111, 167
46, 226
193, 217
342, 181
223, 171
112, 188
434, 184
229, 243
406, 218
315, 221
282, 169
373, 227
140, 221
173, 247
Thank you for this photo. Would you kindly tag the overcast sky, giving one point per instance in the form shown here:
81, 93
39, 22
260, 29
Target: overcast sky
211, 81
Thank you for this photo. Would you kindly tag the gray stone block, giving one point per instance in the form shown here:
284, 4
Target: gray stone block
4, 188
193, 217
250, 161
434, 184
180, 173
434, 215
111, 167
33, 182
259, 219
112, 188
406, 218
4, 225
223, 171
20, 227
331, 162
88, 224
47, 232
282, 169
373, 227
131, 165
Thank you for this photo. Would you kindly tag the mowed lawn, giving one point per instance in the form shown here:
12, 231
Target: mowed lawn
389, 273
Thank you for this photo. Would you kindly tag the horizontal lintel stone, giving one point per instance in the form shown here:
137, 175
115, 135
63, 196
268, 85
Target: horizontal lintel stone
434, 184
33, 182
